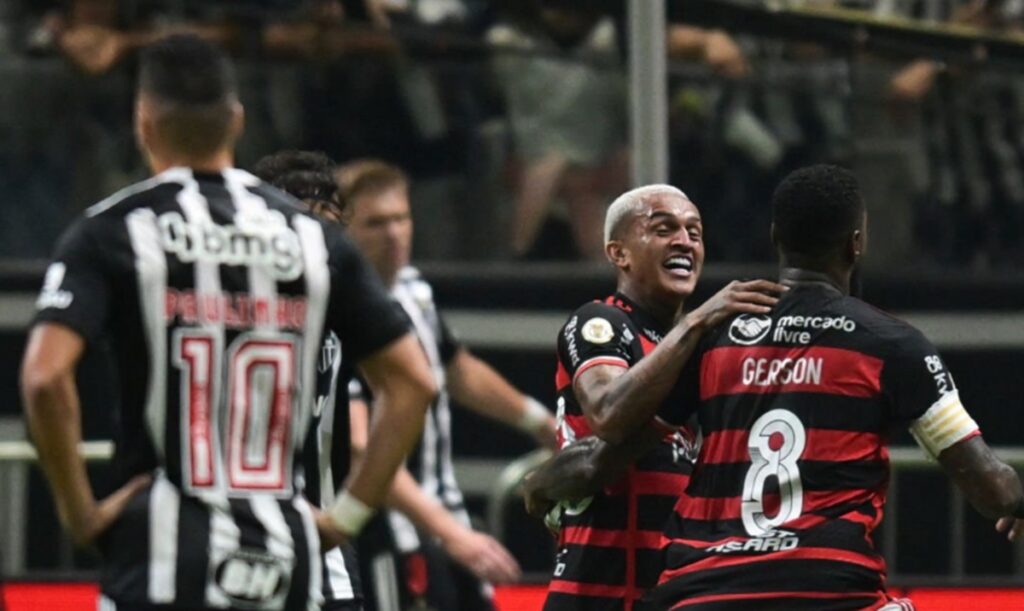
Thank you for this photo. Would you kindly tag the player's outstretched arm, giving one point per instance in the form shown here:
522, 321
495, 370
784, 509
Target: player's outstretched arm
991, 486
583, 468
618, 403
475, 384
403, 386
481, 554
52, 411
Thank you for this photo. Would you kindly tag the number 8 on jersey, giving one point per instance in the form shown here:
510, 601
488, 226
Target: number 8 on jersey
777, 440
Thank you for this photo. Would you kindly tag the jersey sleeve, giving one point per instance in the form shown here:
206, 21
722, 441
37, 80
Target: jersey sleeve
596, 334
923, 396
76, 290
448, 344
360, 311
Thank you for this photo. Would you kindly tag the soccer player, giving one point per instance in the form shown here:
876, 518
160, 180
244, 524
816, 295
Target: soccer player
400, 553
309, 176
214, 291
795, 408
624, 354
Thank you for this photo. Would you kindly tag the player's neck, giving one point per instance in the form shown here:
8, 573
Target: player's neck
793, 275
662, 311
214, 164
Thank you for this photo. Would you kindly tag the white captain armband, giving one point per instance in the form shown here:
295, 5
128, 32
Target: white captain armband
944, 424
349, 514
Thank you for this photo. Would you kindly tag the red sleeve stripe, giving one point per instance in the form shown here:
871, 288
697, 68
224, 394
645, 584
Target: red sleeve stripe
561, 377
880, 597
730, 446
606, 537
578, 424
562, 586
728, 508
872, 563
739, 369
599, 360
659, 483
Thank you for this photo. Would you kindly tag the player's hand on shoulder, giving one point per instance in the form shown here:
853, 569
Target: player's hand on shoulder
751, 297
88, 527
483, 556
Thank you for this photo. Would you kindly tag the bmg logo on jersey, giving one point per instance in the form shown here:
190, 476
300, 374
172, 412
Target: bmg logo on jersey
273, 246
748, 329
252, 579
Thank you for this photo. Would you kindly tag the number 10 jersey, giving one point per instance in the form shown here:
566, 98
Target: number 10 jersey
214, 292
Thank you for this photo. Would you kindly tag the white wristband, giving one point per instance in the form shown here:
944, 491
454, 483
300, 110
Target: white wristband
534, 415
349, 514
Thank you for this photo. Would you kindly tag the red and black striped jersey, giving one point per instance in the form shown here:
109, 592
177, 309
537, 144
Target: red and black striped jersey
795, 408
608, 548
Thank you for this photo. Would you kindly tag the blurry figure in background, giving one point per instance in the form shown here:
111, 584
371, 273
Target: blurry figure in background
971, 208
428, 553
309, 176
565, 95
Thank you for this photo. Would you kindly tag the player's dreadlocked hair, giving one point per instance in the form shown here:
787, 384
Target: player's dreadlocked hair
307, 175
815, 209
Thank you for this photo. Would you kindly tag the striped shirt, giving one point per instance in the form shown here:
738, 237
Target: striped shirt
608, 546
795, 409
430, 462
214, 292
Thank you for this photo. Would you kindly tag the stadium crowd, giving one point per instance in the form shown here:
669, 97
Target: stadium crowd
511, 117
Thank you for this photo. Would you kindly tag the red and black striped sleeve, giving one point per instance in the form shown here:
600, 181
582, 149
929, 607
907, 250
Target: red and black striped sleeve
596, 334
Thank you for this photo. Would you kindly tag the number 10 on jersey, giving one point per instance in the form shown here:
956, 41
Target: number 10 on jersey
777, 440
256, 452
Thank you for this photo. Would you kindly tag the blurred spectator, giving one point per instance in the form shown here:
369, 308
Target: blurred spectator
971, 208
561, 74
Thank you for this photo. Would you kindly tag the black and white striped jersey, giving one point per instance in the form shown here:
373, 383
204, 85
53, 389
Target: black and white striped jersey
430, 463
328, 460
214, 292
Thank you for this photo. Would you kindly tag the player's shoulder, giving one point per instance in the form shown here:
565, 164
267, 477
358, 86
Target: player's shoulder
411, 280
143, 193
885, 333
275, 198
597, 321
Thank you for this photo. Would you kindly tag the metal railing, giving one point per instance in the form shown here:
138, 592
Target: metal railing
499, 483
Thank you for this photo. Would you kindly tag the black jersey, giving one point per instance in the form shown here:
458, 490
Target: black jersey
795, 408
214, 291
608, 545
328, 458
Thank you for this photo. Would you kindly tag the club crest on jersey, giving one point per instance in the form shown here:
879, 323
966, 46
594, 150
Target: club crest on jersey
328, 353
748, 329
251, 579
598, 331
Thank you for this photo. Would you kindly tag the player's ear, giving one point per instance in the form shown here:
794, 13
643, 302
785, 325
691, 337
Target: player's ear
859, 240
237, 121
145, 124
616, 253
